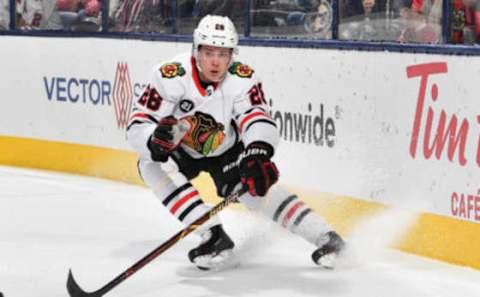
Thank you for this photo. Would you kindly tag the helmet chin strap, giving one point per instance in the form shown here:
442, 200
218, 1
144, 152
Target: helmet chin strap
197, 59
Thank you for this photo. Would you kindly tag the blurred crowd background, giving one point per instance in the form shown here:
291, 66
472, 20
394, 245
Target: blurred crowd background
412, 21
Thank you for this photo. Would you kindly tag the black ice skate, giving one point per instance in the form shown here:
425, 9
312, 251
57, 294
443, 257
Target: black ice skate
325, 256
214, 250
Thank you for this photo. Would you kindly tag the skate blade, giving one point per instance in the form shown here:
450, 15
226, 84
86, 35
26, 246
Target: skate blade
223, 260
328, 261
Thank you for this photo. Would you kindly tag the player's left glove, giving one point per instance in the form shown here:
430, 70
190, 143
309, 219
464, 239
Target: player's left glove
166, 137
257, 172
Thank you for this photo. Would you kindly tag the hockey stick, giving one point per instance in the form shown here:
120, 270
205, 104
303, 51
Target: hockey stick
74, 289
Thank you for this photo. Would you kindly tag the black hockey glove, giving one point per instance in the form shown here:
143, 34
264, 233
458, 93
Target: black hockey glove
257, 172
161, 143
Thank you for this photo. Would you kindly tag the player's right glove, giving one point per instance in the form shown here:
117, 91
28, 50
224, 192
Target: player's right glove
257, 172
162, 141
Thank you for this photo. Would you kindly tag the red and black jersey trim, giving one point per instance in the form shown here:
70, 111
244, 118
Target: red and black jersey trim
260, 121
290, 207
256, 107
182, 201
252, 116
189, 209
282, 206
292, 212
175, 193
302, 215
141, 118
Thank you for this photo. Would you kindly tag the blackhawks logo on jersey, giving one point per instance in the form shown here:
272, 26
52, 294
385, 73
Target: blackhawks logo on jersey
205, 134
241, 70
172, 70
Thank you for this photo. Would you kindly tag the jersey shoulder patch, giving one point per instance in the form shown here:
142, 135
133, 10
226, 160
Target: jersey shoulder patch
241, 70
172, 70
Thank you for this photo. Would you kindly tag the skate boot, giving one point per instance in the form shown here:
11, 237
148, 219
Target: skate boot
214, 249
326, 255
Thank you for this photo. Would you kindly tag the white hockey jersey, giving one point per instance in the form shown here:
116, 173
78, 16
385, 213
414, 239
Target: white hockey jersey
219, 116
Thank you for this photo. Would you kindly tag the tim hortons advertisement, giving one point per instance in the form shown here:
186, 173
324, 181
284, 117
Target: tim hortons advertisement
447, 134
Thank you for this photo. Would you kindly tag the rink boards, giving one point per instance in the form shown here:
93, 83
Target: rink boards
360, 130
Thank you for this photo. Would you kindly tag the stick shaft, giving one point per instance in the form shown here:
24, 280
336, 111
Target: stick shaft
166, 245
156, 252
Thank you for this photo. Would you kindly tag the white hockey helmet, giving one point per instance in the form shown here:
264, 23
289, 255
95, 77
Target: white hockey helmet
216, 31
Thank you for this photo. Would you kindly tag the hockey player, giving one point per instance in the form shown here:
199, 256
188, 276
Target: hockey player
206, 112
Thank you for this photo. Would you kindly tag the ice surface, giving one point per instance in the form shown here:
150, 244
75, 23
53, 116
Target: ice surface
50, 222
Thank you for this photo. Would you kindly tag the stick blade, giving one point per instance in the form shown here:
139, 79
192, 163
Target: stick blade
74, 289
